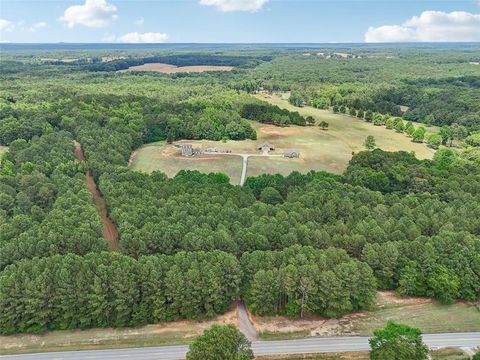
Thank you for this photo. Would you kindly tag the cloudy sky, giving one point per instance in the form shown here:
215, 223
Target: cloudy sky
233, 21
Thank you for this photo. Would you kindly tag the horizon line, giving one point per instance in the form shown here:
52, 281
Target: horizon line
237, 43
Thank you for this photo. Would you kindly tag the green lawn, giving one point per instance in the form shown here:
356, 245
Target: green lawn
328, 150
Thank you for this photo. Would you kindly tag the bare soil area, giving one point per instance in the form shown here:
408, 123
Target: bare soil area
173, 69
110, 232
268, 131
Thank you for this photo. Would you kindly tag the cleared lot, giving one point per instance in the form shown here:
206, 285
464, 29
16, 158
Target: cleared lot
328, 150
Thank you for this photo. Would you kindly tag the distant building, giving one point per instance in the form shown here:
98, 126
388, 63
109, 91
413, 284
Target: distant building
291, 153
266, 147
189, 150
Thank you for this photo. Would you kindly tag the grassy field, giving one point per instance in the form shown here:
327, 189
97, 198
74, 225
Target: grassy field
354, 355
440, 354
423, 313
167, 158
3, 149
328, 150
449, 354
172, 333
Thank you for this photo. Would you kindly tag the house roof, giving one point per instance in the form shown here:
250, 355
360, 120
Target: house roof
266, 144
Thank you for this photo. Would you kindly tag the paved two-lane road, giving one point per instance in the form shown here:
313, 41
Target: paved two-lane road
309, 345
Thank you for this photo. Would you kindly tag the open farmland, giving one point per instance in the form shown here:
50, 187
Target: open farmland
328, 150
173, 69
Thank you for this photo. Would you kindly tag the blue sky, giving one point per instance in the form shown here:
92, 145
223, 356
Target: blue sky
238, 21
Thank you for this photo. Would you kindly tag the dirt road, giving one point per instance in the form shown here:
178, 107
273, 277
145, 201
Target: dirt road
245, 157
244, 323
110, 232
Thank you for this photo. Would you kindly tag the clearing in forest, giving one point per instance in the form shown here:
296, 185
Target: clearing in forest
173, 69
3, 149
329, 150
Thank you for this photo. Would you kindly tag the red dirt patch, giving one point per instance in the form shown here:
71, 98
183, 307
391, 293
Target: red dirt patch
284, 132
169, 151
132, 157
110, 232
392, 297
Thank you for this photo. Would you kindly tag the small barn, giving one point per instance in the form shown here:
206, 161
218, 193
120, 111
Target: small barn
266, 147
291, 153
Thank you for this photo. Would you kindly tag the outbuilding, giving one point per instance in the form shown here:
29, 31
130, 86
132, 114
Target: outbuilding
266, 147
291, 153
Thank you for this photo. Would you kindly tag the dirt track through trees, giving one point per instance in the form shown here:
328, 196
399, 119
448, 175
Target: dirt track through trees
244, 323
110, 232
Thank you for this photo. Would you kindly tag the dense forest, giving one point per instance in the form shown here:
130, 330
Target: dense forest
426, 86
189, 246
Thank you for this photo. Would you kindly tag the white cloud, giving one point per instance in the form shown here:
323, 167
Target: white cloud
107, 37
148, 37
139, 22
6, 25
235, 5
94, 13
430, 26
35, 26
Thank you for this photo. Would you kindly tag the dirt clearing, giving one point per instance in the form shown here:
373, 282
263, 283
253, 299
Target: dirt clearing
110, 232
173, 69
268, 131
